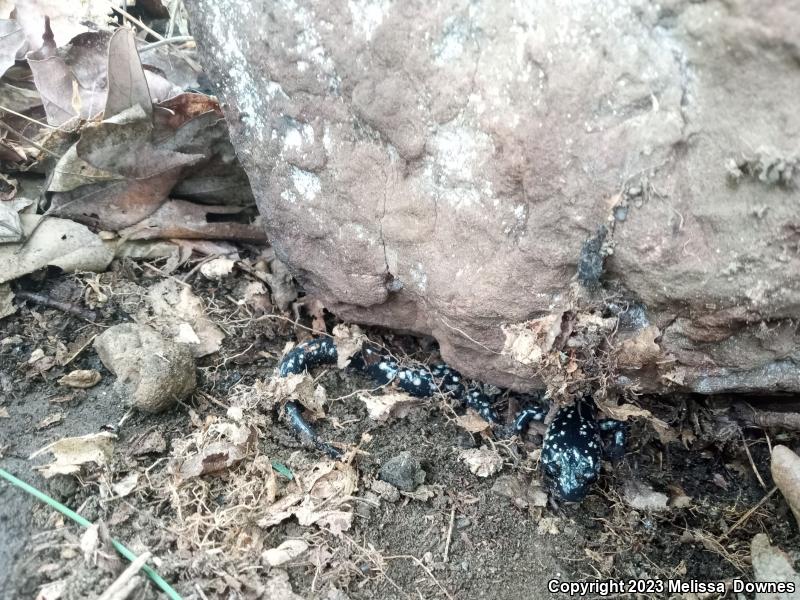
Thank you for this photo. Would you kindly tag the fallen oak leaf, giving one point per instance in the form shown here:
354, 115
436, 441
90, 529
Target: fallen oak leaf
472, 422
349, 340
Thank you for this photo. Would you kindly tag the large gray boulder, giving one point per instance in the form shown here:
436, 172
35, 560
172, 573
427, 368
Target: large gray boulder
445, 168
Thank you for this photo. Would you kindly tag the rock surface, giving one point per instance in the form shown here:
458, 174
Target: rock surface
448, 168
153, 373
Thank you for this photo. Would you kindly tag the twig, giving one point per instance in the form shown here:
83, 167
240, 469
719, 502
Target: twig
768, 418
752, 464
27, 139
449, 535
88, 315
121, 583
423, 567
748, 514
27, 118
165, 41
293, 322
79, 350
152, 32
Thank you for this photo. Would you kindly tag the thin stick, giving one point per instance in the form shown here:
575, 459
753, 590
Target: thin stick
155, 34
72, 309
748, 514
121, 582
423, 567
449, 535
753, 464
165, 41
27, 118
27, 139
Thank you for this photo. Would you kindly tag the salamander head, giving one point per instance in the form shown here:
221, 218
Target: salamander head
572, 451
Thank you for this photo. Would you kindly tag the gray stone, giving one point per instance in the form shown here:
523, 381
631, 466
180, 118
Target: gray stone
439, 168
153, 373
402, 471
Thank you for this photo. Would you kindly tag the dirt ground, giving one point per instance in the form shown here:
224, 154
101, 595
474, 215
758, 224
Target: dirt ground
459, 536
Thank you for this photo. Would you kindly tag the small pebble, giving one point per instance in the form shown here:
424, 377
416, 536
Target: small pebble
403, 471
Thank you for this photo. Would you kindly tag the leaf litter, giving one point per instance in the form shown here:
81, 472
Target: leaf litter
227, 506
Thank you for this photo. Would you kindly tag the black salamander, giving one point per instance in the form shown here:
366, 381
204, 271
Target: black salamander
574, 445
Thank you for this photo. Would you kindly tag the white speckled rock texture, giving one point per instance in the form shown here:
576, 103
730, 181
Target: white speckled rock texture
437, 167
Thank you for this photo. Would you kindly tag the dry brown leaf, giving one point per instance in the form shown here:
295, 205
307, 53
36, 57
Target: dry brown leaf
174, 305
281, 284
73, 452
640, 350
482, 462
50, 420
81, 378
7, 307
472, 422
285, 552
10, 221
12, 39
56, 242
217, 268
221, 455
126, 485
127, 86
349, 340
529, 342
178, 219
381, 407
328, 487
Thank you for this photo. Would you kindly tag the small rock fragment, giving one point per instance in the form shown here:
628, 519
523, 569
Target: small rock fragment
386, 490
217, 268
287, 551
641, 496
403, 471
482, 462
153, 373
81, 379
770, 563
785, 469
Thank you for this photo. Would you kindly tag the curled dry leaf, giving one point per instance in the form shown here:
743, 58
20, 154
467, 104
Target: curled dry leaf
473, 422
218, 456
640, 350
296, 386
529, 342
381, 407
12, 39
173, 305
217, 268
281, 284
81, 378
126, 485
73, 452
55, 242
623, 412
10, 222
349, 339
329, 486
641, 496
178, 219
287, 551
482, 462
7, 307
